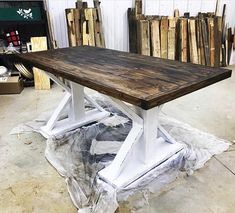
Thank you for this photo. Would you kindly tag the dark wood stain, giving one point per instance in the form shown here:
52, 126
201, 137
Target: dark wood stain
140, 80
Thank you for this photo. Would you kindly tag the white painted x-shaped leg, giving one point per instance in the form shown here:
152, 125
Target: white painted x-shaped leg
142, 149
75, 116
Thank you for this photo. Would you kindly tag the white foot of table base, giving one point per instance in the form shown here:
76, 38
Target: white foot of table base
66, 125
135, 169
72, 107
142, 150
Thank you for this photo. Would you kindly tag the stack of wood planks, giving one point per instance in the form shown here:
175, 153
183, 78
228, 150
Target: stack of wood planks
204, 39
85, 25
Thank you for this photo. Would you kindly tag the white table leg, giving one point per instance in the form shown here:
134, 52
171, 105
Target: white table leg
77, 105
75, 115
142, 149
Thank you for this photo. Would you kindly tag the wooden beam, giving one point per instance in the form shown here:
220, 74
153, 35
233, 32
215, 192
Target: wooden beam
71, 27
84, 5
138, 7
217, 39
205, 42
184, 39
229, 51
97, 30
155, 38
187, 15
211, 31
99, 22
234, 38
217, 7
41, 80
193, 41
201, 43
90, 16
171, 39
51, 36
77, 23
198, 40
176, 13
164, 36
132, 23
224, 55
79, 4
143, 35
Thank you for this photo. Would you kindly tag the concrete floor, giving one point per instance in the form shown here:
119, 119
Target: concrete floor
29, 184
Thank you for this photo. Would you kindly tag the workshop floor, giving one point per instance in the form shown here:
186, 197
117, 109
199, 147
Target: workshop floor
29, 184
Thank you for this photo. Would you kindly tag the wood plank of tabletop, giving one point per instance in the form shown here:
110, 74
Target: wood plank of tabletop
143, 81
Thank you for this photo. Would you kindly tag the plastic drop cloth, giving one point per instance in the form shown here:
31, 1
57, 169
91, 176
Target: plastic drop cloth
80, 154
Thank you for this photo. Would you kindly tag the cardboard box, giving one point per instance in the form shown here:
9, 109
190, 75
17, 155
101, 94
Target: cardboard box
11, 85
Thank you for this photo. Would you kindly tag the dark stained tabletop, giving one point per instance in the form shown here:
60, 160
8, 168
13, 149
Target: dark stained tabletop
140, 80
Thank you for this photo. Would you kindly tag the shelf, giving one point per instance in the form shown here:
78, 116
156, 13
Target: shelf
21, 22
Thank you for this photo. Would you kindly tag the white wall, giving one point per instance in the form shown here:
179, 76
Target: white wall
114, 14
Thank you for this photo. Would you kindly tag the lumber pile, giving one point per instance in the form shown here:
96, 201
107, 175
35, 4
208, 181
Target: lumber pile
204, 39
85, 25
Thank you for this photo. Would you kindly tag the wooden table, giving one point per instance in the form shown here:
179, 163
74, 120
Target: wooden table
143, 81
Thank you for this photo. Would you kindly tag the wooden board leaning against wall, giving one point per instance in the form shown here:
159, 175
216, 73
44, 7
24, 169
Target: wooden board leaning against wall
85, 25
204, 39
41, 80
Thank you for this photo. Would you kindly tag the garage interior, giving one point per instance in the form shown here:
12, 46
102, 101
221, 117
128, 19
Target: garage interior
31, 183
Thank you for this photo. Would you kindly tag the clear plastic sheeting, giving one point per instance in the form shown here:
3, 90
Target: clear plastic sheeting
80, 154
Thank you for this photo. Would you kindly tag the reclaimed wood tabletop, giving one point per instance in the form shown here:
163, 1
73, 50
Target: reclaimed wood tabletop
143, 81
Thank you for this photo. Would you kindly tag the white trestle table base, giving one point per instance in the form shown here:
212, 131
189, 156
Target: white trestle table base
146, 146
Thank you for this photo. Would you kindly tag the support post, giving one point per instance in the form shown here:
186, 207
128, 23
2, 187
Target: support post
150, 118
77, 105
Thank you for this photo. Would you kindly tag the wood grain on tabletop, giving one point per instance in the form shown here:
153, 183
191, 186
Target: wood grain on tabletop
140, 80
